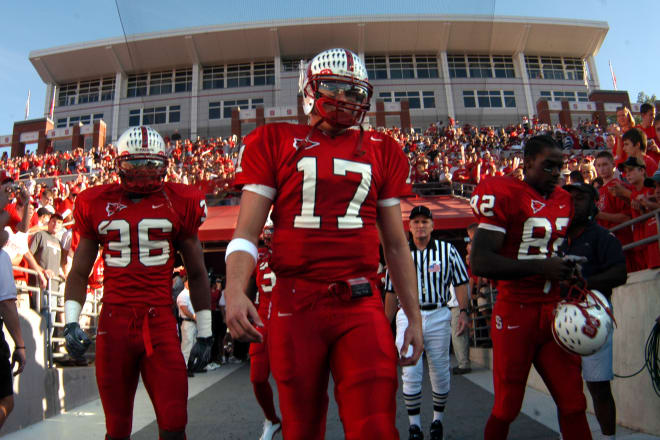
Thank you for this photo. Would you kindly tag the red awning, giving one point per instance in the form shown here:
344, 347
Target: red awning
448, 213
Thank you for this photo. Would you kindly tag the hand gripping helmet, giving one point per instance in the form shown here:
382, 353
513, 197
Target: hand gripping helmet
335, 83
582, 325
141, 160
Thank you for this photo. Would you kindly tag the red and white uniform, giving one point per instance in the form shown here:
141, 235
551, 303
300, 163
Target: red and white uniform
326, 194
533, 228
137, 330
266, 279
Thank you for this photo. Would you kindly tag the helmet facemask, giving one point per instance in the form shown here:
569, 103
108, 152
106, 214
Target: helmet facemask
141, 161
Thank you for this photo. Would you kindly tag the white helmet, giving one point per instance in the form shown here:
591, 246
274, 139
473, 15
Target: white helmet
141, 160
582, 325
331, 74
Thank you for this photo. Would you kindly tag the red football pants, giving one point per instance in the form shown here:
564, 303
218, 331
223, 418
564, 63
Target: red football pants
312, 333
259, 363
140, 340
522, 336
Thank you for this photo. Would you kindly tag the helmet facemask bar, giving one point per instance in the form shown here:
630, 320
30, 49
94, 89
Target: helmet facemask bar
142, 173
347, 112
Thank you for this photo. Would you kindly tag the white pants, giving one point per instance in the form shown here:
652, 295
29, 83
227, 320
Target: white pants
188, 337
461, 342
436, 329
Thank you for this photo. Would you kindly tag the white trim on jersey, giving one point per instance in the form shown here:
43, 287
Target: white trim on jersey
489, 227
262, 190
386, 203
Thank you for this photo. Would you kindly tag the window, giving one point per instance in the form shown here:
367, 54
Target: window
214, 110
134, 118
67, 94
238, 75
503, 67
229, 105
85, 119
558, 95
160, 83
468, 99
547, 96
61, 123
533, 67
509, 99
257, 102
154, 115
552, 68
582, 97
489, 99
385, 96
97, 117
74, 120
457, 66
428, 99
480, 67
108, 89
174, 114
183, 80
264, 74
88, 91
213, 77
401, 67
290, 64
137, 86
427, 66
376, 67
574, 69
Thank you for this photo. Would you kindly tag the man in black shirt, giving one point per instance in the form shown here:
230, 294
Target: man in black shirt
604, 269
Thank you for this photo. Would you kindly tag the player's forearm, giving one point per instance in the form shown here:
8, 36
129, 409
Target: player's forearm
9, 315
494, 266
76, 287
200, 293
390, 306
613, 217
240, 266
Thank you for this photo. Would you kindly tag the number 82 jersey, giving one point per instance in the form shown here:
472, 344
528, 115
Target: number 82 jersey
533, 226
139, 238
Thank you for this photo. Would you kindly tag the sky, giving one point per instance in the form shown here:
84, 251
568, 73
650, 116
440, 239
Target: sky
32, 25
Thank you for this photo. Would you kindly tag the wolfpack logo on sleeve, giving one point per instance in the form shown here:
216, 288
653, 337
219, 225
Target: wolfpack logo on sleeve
304, 144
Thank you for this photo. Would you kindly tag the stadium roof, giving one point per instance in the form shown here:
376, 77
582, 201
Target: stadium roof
255, 41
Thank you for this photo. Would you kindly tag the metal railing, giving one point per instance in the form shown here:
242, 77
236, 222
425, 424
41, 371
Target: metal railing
641, 218
480, 318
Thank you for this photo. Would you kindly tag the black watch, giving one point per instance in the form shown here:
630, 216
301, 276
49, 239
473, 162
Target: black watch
462, 310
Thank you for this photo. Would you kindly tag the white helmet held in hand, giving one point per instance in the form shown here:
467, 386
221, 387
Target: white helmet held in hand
582, 325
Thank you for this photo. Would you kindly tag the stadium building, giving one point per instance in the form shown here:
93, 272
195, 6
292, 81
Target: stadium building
226, 79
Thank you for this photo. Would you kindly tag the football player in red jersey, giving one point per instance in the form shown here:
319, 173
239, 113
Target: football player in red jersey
521, 225
334, 191
140, 222
259, 364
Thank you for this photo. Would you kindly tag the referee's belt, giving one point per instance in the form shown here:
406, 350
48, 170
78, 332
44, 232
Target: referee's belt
188, 319
431, 306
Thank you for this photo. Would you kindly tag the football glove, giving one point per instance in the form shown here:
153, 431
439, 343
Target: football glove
76, 339
200, 355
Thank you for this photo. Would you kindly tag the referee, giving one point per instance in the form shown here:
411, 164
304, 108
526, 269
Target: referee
438, 266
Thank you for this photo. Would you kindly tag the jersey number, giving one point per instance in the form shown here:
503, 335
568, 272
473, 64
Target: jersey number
542, 228
486, 206
350, 219
145, 245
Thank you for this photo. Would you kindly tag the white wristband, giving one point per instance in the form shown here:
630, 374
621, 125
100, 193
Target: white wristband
203, 318
243, 245
72, 309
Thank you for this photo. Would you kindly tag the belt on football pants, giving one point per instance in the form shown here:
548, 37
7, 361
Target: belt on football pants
188, 319
431, 306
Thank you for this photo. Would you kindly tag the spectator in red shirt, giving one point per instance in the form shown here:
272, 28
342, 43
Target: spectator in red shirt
625, 121
634, 145
647, 112
651, 203
636, 174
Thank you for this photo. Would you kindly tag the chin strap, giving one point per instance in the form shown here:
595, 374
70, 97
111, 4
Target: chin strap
578, 294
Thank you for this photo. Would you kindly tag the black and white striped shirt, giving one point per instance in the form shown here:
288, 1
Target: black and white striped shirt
438, 266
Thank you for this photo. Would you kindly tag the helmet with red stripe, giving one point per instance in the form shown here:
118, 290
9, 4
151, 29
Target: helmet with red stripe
141, 160
335, 85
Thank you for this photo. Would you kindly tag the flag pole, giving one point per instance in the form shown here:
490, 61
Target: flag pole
613, 75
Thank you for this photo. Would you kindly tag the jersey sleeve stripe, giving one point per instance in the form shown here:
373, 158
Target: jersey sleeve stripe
262, 190
385, 203
489, 227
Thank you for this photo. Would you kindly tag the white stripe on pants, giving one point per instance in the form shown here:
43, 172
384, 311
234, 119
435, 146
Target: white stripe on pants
188, 336
436, 329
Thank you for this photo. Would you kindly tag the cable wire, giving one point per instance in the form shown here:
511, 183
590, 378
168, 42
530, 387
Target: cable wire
651, 359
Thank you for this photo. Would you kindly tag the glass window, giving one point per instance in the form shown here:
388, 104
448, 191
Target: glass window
574, 69
85, 119
503, 67
160, 83
137, 86
257, 102
468, 99
61, 123
213, 77
67, 94
489, 98
97, 117
457, 66
552, 68
264, 74
238, 75
385, 96
483, 98
480, 66
74, 120
533, 67
214, 110
183, 80
174, 114
88, 91
229, 105
582, 97
401, 67
428, 98
546, 95
427, 66
134, 118
509, 99
290, 64
154, 115
108, 89
376, 67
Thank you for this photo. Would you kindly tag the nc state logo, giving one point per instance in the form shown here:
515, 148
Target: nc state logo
498, 322
113, 207
537, 206
304, 144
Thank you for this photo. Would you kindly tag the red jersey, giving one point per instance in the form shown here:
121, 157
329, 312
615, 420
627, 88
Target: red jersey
265, 278
652, 249
139, 238
609, 203
95, 280
325, 195
14, 216
534, 227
